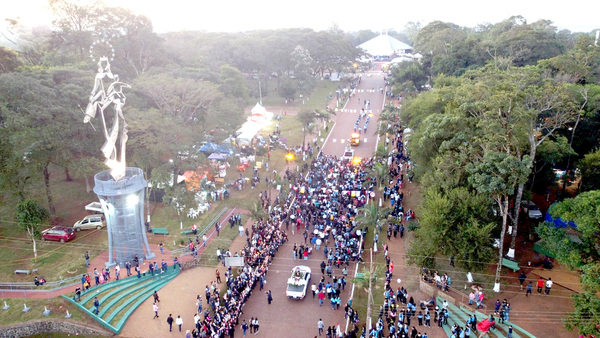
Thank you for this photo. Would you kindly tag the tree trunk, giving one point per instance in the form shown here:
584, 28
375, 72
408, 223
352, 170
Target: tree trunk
34, 247
503, 204
51, 207
515, 220
564, 187
68, 177
88, 187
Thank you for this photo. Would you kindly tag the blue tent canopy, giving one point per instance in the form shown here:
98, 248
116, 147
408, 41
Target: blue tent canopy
209, 147
557, 221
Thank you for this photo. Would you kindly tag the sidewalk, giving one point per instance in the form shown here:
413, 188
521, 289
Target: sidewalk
98, 262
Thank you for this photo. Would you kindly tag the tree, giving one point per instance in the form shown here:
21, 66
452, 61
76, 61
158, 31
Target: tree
183, 98
30, 216
590, 171
371, 216
584, 211
497, 175
257, 211
457, 224
8, 60
308, 118
381, 173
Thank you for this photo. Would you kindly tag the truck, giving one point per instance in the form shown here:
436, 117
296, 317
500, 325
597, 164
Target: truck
355, 139
297, 284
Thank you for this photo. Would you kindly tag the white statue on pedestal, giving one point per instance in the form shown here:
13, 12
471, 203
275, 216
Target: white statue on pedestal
100, 99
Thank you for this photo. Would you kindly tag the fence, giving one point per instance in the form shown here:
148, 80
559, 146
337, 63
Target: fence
186, 251
30, 290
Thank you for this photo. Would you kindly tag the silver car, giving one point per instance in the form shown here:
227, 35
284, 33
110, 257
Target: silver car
89, 222
532, 210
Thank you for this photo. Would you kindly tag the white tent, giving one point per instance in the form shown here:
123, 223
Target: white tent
385, 45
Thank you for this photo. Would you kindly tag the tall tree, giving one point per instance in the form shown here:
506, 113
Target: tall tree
30, 216
584, 211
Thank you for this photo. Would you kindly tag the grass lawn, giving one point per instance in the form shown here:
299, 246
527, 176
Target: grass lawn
56, 261
58, 307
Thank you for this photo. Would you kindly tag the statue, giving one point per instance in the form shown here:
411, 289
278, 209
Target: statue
100, 99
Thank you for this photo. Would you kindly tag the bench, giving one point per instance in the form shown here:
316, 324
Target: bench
514, 266
160, 231
23, 272
187, 232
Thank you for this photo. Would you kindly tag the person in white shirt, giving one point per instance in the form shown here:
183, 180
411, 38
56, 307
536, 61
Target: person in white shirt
548, 286
179, 321
155, 309
196, 320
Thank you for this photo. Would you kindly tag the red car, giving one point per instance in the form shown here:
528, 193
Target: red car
58, 233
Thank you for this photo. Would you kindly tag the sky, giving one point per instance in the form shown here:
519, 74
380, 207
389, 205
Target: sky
349, 15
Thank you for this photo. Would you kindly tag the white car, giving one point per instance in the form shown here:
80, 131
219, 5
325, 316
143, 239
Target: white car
297, 284
531, 209
348, 154
89, 222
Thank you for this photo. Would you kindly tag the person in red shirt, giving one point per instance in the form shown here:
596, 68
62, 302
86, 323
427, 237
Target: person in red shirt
540, 285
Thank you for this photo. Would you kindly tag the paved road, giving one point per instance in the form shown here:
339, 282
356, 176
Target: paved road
368, 89
298, 318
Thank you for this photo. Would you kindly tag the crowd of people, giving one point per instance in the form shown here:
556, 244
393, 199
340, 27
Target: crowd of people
221, 317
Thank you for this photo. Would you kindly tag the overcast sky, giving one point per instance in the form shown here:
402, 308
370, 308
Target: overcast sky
349, 15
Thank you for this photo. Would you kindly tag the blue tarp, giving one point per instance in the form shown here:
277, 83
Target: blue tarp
209, 147
557, 222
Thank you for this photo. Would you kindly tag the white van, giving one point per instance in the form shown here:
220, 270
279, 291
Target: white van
89, 222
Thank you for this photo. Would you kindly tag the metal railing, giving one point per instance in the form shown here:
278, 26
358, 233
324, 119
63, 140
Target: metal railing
186, 251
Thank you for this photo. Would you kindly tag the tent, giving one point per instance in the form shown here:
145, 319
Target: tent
217, 156
557, 221
209, 147
225, 150
385, 45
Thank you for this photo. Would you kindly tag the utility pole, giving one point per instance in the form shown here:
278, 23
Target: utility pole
370, 293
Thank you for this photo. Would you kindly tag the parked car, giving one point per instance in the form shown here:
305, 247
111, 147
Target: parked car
531, 209
298, 283
58, 233
89, 222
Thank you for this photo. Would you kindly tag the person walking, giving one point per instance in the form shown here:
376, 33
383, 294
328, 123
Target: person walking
96, 305
320, 326
548, 286
244, 327
170, 322
155, 309
155, 295
87, 259
256, 325
540, 285
218, 276
179, 322
529, 289
269, 297
117, 271
522, 278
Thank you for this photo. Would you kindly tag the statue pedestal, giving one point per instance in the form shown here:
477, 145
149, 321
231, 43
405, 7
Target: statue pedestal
123, 206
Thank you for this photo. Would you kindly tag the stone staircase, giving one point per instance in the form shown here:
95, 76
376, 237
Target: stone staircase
118, 299
460, 314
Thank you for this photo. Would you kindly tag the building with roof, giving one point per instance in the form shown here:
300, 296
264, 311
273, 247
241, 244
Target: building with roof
385, 46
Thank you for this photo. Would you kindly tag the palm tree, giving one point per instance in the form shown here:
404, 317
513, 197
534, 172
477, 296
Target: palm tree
308, 117
371, 215
257, 211
382, 152
380, 172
